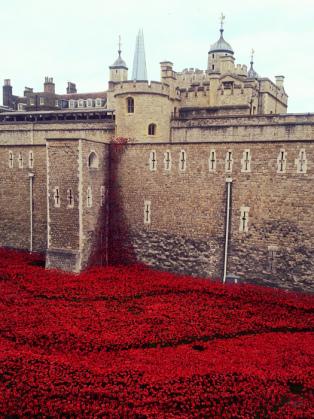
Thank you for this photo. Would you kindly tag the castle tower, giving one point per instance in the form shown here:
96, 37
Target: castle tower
139, 62
118, 70
221, 55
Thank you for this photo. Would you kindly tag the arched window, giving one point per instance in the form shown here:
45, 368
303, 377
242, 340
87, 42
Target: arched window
93, 160
152, 129
130, 103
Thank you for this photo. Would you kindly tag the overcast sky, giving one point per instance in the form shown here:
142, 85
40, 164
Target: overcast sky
76, 40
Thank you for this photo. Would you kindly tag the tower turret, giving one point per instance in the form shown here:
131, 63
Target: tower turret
119, 69
252, 73
218, 50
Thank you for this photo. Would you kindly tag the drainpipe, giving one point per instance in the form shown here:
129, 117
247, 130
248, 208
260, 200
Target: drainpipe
31, 180
108, 197
227, 225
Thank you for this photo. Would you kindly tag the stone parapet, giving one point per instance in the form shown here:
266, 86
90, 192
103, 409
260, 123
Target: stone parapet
290, 127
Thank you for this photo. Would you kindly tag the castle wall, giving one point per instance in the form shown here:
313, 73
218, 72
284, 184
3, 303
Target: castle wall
271, 105
161, 203
28, 133
77, 225
16, 197
94, 240
63, 216
244, 128
196, 97
186, 232
59, 229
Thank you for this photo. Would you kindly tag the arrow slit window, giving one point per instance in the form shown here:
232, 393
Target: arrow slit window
244, 219
182, 161
301, 162
147, 212
212, 161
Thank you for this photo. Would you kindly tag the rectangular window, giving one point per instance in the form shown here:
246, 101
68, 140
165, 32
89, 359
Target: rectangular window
32, 101
212, 161
182, 161
20, 160
41, 101
281, 161
30, 160
246, 161
244, 219
72, 104
98, 103
130, 104
21, 107
81, 103
167, 160
301, 162
147, 212
228, 162
56, 197
89, 103
89, 197
57, 103
70, 198
152, 161
11, 160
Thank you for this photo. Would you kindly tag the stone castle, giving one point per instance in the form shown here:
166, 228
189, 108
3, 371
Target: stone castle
202, 173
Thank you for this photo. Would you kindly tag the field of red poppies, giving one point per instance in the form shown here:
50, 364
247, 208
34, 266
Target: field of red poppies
132, 342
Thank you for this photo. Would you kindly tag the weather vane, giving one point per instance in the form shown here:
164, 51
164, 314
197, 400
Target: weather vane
119, 44
252, 54
222, 18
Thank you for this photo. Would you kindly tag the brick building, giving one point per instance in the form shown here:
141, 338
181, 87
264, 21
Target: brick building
215, 178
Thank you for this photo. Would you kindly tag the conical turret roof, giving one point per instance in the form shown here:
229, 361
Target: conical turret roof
221, 45
119, 63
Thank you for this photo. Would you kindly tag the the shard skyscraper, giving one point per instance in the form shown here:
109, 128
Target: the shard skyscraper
139, 63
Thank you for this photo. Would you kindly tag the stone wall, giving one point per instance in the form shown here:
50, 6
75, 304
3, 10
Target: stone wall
182, 187
15, 197
94, 240
36, 133
187, 227
77, 225
63, 217
62, 159
244, 128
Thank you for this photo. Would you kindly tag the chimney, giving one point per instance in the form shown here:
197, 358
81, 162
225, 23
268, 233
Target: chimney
166, 70
7, 93
71, 88
49, 86
27, 91
279, 81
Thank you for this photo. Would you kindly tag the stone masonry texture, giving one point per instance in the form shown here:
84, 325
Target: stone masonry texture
188, 207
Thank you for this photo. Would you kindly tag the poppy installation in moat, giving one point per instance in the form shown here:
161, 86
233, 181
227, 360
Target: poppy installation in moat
133, 342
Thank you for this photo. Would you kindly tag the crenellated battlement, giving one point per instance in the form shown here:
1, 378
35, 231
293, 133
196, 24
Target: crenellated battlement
191, 75
143, 87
